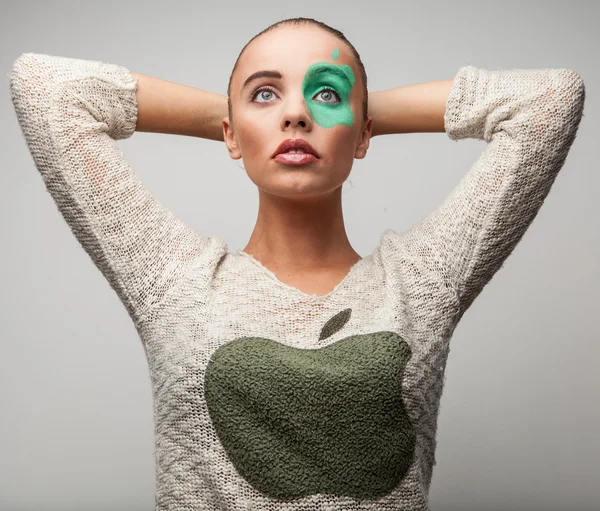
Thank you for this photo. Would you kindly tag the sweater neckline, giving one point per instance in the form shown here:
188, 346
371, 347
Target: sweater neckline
314, 297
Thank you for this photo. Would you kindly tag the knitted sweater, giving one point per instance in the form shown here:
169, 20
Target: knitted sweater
266, 397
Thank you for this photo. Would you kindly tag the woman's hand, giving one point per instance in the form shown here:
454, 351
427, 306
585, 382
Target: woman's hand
168, 107
416, 108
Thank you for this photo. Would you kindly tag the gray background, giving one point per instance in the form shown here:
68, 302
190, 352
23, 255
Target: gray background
519, 421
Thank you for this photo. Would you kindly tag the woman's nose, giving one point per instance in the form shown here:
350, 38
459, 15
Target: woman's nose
296, 114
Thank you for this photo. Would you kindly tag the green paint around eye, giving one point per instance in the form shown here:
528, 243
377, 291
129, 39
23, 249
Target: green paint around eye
335, 54
340, 78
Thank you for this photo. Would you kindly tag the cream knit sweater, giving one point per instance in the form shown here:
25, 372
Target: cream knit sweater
265, 397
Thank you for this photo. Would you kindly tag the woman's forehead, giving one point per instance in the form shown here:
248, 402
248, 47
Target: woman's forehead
291, 50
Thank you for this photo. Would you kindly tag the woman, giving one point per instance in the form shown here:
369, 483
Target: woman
295, 374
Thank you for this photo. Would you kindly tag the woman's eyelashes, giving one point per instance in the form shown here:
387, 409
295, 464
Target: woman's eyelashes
331, 95
266, 94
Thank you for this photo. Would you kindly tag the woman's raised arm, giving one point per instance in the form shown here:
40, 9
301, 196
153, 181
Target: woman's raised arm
71, 112
168, 107
529, 119
417, 108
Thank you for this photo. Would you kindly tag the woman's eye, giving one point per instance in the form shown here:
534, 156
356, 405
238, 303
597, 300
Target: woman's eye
328, 96
264, 94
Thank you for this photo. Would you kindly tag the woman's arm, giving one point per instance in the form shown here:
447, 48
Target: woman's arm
71, 112
168, 107
529, 119
415, 108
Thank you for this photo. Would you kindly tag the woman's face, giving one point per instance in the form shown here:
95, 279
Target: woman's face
318, 98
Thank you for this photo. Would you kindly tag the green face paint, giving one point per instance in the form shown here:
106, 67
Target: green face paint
321, 76
335, 54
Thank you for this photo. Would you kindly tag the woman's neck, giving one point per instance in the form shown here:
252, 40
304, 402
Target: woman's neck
301, 235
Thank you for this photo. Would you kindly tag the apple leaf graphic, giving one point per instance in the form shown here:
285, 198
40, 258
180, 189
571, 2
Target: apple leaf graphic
335, 324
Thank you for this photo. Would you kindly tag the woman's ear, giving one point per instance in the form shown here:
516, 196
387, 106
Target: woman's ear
230, 140
365, 137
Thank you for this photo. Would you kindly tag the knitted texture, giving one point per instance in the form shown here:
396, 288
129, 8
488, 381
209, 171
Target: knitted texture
266, 397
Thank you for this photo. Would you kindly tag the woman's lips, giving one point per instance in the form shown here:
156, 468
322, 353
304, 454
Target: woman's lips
295, 158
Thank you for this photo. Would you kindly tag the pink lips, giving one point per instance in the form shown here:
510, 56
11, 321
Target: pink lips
282, 155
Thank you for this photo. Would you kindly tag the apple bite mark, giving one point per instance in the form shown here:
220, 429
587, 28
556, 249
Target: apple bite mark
297, 422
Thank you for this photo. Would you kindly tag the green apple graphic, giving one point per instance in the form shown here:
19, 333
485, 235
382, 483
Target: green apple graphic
296, 422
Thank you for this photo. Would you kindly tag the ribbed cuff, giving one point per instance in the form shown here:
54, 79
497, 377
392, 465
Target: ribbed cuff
125, 127
459, 121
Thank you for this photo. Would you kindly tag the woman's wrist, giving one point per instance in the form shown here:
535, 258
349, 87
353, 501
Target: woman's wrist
168, 107
418, 108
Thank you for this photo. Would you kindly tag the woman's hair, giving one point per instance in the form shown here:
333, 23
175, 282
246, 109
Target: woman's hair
308, 21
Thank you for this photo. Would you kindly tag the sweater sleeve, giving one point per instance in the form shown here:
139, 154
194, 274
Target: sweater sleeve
529, 119
71, 112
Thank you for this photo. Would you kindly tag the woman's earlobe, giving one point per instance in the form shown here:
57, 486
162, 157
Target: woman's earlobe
234, 152
360, 153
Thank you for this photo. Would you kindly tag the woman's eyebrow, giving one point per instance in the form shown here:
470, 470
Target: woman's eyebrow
262, 74
325, 68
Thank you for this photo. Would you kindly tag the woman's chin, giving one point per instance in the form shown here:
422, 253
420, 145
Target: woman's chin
307, 187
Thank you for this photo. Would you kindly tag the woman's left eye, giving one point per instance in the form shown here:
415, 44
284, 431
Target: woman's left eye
329, 96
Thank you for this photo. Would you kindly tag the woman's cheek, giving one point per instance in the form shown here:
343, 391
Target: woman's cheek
326, 117
253, 141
